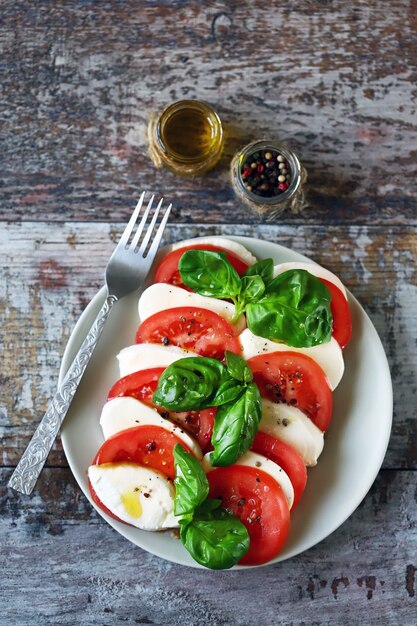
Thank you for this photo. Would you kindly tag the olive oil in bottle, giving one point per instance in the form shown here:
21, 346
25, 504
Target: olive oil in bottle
187, 138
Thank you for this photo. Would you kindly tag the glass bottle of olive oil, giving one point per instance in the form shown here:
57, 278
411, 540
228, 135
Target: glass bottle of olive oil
187, 137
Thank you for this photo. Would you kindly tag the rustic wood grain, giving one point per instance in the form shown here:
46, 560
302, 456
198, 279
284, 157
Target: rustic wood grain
83, 572
80, 82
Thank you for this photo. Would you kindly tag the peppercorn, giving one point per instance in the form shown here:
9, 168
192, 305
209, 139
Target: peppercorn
266, 173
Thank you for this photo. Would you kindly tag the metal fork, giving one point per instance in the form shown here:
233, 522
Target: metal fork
126, 271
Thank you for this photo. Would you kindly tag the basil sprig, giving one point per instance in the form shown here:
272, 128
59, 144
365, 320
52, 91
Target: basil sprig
209, 274
190, 384
235, 426
264, 269
236, 422
190, 482
237, 368
293, 308
196, 383
213, 536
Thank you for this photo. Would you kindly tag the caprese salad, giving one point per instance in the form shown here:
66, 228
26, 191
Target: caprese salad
223, 400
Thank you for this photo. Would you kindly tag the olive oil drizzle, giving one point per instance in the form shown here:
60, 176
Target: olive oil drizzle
131, 503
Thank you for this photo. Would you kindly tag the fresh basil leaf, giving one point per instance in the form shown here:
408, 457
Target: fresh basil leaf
190, 384
295, 309
207, 506
209, 274
252, 289
215, 539
190, 482
228, 391
238, 368
264, 269
235, 427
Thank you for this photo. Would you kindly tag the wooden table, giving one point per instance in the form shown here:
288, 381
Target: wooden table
80, 81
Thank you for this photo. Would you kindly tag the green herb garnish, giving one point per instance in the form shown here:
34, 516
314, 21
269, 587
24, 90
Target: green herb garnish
213, 536
293, 308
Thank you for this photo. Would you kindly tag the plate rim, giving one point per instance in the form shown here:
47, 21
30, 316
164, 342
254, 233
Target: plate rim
77, 336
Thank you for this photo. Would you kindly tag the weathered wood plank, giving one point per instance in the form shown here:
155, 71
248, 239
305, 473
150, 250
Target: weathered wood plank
80, 82
58, 269
83, 572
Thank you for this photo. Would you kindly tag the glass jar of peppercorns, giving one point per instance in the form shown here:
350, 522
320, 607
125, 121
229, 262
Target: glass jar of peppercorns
269, 178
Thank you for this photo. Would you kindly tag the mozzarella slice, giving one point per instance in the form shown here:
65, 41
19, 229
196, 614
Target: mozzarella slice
221, 242
328, 356
258, 461
161, 296
121, 413
137, 495
313, 268
293, 427
142, 356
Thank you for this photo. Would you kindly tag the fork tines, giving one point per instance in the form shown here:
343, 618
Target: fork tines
134, 244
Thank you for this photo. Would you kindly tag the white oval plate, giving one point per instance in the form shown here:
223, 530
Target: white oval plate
356, 441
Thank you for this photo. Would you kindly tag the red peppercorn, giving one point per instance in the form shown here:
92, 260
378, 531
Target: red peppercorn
283, 186
247, 172
260, 168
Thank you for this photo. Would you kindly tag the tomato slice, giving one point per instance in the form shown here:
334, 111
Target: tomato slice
342, 320
286, 457
192, 328
199, 424
141, 385
149, 446
297, 380
168, 272
259, 502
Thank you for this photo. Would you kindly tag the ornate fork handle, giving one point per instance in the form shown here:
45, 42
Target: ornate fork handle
30, 465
